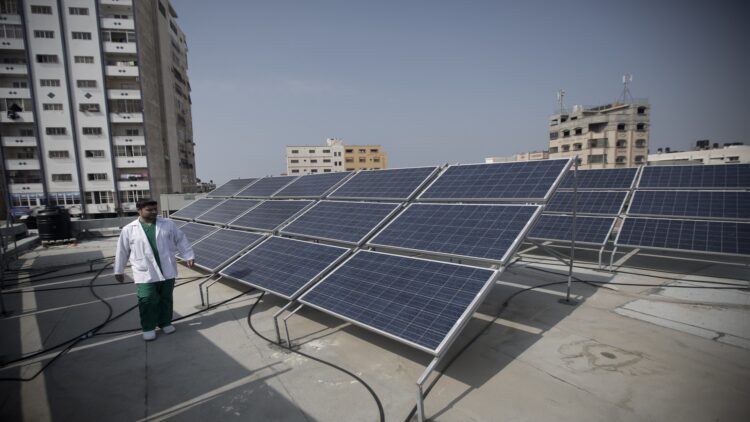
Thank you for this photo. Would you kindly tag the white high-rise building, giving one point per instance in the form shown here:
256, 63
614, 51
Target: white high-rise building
94, 104
312, 159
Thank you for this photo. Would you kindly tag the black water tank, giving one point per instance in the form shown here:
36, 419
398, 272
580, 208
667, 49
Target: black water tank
53, 224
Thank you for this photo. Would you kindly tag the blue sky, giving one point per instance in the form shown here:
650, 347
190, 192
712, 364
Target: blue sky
450, 81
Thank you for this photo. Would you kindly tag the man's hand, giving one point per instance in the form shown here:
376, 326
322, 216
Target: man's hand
189, 263
120, 278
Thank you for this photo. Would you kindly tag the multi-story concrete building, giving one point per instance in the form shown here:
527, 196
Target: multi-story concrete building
311, 159
606, 136
522, 156
95, 104
703, 154
364, 157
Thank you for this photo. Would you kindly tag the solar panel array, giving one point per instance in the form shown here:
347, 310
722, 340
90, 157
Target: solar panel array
231, 188
227, 211
195, 208
559, 228
269, 215
697, 209
215, 250
349, 222
394, 185
587, 202
195, 231
312, 186
607, 179
266, 187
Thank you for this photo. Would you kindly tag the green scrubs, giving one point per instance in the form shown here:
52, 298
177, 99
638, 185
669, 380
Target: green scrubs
154, 299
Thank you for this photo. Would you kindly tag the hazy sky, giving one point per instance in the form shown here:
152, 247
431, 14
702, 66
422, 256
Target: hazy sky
451, 81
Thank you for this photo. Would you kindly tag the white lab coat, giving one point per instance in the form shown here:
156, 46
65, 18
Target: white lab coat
134, 244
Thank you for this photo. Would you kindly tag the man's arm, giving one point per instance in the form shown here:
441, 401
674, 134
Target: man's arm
122, 255
183, 247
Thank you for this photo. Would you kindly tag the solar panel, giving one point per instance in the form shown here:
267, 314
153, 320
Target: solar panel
227, 211
394, 184
721, 176
591, 230
231, 187
214, 251
194, 231
601, 179
485, 232
177, 223
349, 222
311, 186
592, 202
269, 215
708, 204
718, 237
284, 267
418, 302
266, 187
195, 208
516, 181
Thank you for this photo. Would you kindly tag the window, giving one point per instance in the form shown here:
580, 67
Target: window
26, 132
41, 10
59, 154
94, 153
89, 107
622, 143
93, 177
11, 31
362, 160
313, 161
326, 170
311, 151
638, 158
349, 151
49, 82
640, 143
84, 59
295, 170
621, 127
99, 197
294, 161
46, 58
52, 107
44, 34
92, 131
374, 150
162, 10
579, 131
640, 126
326, 160
8, 7
362, 150
125, 106
566, 133
80, 11
641, 110
81, 35
620, 160
55, 131
86, 83
326, 151
62, 177
132, 132
313, 170
130, 150
133, 195
552, 136
376, 160
597, 159
295, 151
349, 160
64, 198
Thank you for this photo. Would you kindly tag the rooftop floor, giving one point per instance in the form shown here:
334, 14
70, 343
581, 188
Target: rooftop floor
630, 353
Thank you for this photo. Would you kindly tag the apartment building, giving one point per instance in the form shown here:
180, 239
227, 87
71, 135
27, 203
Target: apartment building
704, 153
94, 104
605, 136
522, 156
364, 157
334, 156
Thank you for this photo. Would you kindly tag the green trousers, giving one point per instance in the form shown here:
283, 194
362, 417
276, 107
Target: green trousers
155, 304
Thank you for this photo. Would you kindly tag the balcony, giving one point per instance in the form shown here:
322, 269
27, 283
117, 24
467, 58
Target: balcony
127, 71
24, 187
120, 47
21, 117
133, 185
129, 140
116, 2
131, 162
112, 23
24, 164
11, 19
125, 94
19, 141
13, 69
15, 93
12, 44
126, 117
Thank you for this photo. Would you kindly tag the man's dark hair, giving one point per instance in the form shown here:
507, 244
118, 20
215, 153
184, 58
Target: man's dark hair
145, 202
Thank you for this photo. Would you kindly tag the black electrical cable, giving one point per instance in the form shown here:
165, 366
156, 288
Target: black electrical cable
334, 366
81, 287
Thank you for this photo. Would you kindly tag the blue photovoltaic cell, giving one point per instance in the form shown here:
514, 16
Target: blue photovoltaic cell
342, 221
311, 186
269, 214
601, 179
708, 204
231, 187
476, 231
228, 211
413, 300
220, 247
177, 223
266, 187
594, 230
196, 208
284, 266
592, 202
687, 235
395, 184
528, 180
194, 231
721, 176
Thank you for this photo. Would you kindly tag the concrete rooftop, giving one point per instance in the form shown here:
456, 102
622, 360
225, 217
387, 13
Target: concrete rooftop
623, 353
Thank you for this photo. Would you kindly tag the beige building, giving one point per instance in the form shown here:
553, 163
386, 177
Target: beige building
334, 156
607, 136
365, 157
94, 104
728, 154
523, 156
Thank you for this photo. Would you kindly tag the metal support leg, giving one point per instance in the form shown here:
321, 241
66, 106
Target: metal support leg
208, 302
286, 327
420, 383
573, 232
200, 289
601, 251
276, 321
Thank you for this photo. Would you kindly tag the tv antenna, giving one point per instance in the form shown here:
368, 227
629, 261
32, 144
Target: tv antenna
626, 80
560, 97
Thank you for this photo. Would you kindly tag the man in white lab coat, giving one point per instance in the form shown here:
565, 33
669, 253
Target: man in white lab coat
151, 244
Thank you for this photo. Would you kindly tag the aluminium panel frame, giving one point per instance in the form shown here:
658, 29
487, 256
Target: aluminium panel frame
276, 228
238, 196
568, 241
686, 217
226, 223
418, 189
321, 196
591, 214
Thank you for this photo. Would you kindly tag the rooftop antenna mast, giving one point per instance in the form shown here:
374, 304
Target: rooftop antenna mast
626, 98
560, 97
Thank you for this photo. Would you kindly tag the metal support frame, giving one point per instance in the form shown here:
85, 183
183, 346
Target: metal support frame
200, 288
286, 326
276, 322
573, 234
420, 383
